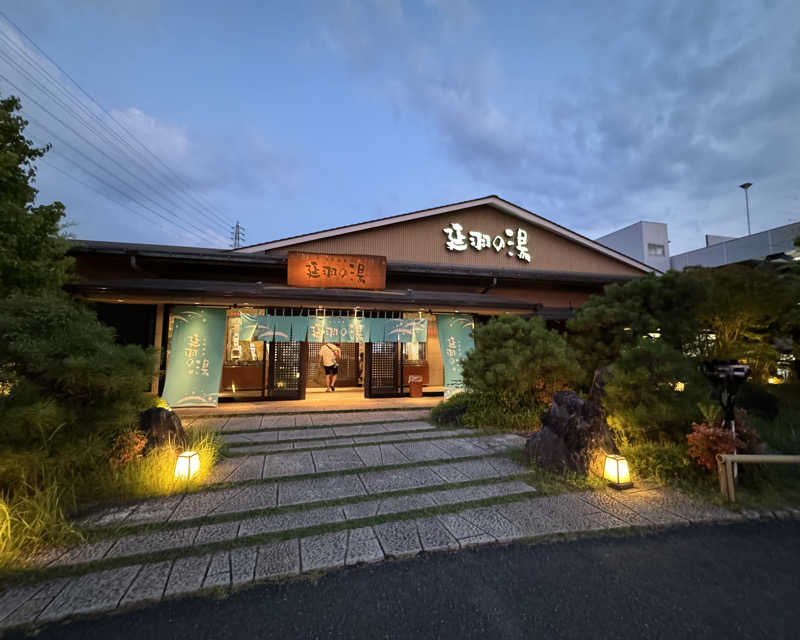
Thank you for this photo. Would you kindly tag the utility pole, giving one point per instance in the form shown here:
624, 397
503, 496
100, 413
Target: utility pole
746, 186
237, 235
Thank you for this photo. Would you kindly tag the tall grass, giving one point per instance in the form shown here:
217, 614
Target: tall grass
154, 473
31, 520
34, 516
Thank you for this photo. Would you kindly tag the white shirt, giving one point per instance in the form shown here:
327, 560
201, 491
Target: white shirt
329, 354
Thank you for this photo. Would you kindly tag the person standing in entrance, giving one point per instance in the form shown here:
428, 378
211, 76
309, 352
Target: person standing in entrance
329, 356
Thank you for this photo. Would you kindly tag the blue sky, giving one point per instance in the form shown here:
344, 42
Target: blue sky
292, 117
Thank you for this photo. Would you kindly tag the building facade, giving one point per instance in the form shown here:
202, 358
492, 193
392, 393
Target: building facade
648, 242
398, 295
720, 250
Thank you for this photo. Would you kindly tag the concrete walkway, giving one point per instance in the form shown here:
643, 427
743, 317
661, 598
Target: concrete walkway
269, 514
340, 400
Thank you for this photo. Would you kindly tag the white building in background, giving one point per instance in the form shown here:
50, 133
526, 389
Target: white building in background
647, 242
721, 250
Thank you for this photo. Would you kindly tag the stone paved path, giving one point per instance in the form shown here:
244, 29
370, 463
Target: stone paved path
417, 489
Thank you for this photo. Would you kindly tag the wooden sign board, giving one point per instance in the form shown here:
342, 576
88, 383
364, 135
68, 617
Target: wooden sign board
336, 271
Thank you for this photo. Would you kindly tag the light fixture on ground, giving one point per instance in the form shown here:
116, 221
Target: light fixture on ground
616, 472
187, 465
746, 186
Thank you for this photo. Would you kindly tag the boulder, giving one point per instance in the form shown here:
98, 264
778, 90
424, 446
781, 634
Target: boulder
574, 434
161, 426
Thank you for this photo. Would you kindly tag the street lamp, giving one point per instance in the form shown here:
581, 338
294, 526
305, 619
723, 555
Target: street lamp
746, 186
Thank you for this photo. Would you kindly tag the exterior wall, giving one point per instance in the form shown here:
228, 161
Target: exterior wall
634, 240
424, 241
545, 296
712, 239
752, 247
628, 240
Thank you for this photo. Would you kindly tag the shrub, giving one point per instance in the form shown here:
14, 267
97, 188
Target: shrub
783, 431
469, 409
127, 447
451, 412
607, 323
153, 474
666, 462
757, 400
69, 379
518, 363
642, 398
706, 441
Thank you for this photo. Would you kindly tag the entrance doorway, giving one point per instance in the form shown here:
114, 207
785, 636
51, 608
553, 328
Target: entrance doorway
348, 365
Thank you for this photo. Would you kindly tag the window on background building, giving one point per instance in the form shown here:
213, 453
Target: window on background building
655, 249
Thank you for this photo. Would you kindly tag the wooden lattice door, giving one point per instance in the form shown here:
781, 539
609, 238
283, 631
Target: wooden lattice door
286, 378
382, 370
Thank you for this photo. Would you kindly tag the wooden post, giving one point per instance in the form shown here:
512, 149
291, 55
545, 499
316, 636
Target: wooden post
723, 481
157, 346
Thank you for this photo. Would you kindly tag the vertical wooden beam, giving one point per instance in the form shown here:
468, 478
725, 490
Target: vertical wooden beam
157, 346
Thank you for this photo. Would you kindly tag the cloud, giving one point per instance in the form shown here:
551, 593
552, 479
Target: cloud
648, 112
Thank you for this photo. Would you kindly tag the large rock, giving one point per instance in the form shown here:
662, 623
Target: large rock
161, 426
574, 434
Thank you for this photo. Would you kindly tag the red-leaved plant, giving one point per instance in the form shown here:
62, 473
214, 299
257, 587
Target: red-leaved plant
706, 441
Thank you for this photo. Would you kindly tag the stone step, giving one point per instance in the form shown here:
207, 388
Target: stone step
241, 447
307, 433
280, 493
282, 521
301, 463
527, 518
266, 421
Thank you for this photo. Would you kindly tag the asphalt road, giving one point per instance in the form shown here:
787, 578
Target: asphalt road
726, 581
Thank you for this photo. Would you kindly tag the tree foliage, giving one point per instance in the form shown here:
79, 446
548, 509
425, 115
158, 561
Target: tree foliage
743, 308
68, 378
737, 312
63, 380
519, 361
654, 391
32, 251
664, 305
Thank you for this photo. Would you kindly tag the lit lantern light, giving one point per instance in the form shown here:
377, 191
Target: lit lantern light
775, 380
187, 465
617, 472
679, 386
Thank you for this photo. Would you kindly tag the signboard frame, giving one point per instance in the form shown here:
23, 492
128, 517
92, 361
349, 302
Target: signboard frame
336, 271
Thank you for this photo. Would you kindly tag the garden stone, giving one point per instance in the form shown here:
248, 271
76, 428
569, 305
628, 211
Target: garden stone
149, 584
324, 551
161, 426
434, 536
574, 434
363, 546
219, 571
32, 608
92, 593
243, 565
278, 560
187, 574
399, 538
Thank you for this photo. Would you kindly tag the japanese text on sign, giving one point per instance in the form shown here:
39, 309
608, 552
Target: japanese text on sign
514, 243
338, 271
195, 353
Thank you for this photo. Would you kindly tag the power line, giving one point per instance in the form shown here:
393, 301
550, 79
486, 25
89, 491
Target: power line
100, 135
71, 146
119, 202
119, 124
